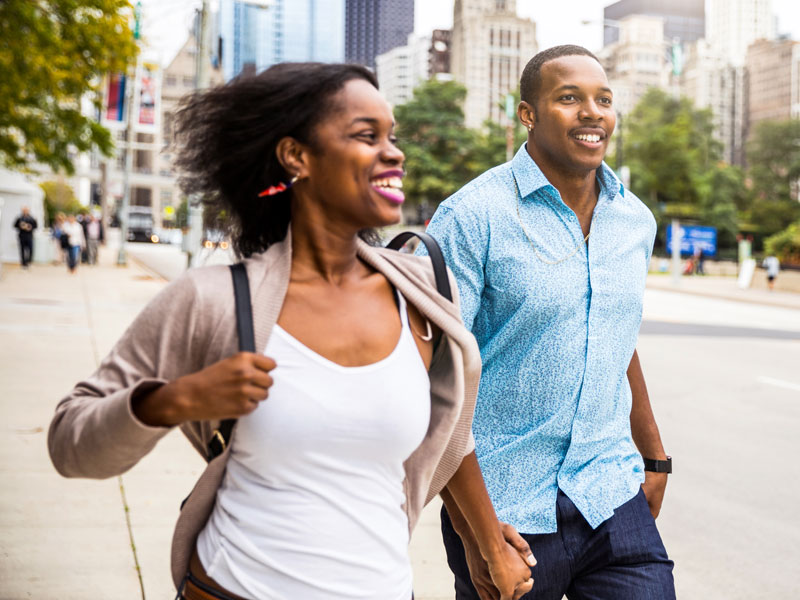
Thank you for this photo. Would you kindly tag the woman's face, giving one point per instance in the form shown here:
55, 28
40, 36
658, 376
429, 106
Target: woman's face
355, 171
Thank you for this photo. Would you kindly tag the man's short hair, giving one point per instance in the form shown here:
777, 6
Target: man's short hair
530, 82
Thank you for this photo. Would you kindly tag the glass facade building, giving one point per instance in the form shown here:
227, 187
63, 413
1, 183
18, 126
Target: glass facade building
683, 19
251, 38
376, 26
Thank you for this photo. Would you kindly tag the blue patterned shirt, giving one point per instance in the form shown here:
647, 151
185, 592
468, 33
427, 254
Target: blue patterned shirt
557, 322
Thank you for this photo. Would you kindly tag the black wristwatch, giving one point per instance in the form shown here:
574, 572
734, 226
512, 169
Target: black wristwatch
658, 466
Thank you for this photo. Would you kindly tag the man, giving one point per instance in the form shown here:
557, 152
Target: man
551, 255
94, 237
25, 224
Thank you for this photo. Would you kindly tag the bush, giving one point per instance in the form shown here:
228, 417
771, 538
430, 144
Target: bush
59, 197
785, 244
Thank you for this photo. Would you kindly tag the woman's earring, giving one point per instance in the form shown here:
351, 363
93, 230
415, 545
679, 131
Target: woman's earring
274, 190
530, 127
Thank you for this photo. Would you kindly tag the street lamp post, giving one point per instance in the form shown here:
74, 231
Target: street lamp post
202, 81
130, 83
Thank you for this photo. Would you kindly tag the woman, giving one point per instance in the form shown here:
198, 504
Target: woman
76, 241
369, 374
57, 230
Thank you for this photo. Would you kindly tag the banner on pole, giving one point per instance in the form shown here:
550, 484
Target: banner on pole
147, 96
114, 101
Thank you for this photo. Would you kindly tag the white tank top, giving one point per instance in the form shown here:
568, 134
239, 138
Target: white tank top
311, 505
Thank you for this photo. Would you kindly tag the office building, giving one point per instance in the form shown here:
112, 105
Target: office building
683, 19
373, 27
773, 81
710, 81
636, 61
403, 68
439, 52
253, 37
490, 47
732, 25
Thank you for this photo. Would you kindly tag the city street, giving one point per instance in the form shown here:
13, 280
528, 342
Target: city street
723, 380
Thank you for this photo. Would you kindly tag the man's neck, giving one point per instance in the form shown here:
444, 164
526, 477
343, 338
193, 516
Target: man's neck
578, 190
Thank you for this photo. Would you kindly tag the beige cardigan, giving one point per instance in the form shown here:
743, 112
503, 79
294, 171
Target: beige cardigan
191, 324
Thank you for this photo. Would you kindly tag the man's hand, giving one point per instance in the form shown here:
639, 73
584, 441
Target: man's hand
654, 486
486, 577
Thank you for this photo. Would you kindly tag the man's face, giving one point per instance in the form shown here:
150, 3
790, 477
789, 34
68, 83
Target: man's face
575, 116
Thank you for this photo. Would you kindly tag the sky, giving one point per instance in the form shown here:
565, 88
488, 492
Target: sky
165, 22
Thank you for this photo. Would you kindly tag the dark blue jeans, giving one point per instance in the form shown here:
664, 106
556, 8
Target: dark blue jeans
623, 559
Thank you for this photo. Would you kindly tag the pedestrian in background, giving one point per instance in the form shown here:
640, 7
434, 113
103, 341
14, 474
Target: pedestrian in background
346, 425
551, 254
699, 261
25, 225
773, 267
75, 242
95, 236
60, 246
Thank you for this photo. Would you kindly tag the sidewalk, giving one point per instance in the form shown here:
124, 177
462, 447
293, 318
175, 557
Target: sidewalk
69, 538
725, 288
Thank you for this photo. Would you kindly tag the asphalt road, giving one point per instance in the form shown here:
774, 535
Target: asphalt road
724, 380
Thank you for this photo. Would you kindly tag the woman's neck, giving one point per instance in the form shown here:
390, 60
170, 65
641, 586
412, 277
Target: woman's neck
323, 252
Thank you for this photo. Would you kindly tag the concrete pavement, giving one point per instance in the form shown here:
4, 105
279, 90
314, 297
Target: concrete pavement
76, 538
94, 539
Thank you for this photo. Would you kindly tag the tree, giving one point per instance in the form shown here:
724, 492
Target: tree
438, 147
669, 146
773, 157
785, 244
676, 166
53, 54
59, 197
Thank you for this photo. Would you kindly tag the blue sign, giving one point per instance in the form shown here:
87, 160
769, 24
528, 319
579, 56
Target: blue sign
695, 238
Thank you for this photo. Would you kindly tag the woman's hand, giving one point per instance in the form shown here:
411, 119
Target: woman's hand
228, 389
492, 578
510, 574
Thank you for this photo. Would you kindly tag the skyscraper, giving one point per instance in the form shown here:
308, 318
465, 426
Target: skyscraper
732, 25
490, 47
253, 37
683, 19
376, 26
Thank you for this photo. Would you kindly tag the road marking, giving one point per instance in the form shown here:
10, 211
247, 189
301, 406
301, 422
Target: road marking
779, 383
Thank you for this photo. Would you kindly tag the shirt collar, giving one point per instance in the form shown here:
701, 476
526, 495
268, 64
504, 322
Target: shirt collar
530, 178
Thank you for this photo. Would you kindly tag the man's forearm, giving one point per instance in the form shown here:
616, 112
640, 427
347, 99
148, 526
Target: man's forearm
470, 508
643, 424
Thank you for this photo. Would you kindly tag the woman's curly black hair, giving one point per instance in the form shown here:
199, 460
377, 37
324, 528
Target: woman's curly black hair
226, 139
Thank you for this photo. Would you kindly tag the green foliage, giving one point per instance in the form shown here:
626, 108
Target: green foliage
182, 214
669, 146
54, 53
59, 197
773, 157
437, 146
442, 154
785, 244
675, 165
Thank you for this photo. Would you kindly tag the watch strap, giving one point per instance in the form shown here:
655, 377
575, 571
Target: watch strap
658, 466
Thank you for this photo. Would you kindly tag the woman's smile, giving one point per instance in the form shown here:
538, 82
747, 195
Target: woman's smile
389, 184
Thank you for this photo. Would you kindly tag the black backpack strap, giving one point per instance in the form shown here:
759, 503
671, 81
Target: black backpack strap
434, 251
247, 343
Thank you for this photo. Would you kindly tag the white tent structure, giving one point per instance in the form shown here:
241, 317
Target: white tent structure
15, 192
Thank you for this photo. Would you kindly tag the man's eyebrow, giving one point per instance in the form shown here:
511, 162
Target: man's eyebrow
571, 86
567, 87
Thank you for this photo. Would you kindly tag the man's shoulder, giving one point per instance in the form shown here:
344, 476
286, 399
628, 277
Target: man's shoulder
633, 203
475, 196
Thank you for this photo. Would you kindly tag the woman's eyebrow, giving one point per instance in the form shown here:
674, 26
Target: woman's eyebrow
370, 120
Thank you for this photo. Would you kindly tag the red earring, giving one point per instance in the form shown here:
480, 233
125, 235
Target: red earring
274, 190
